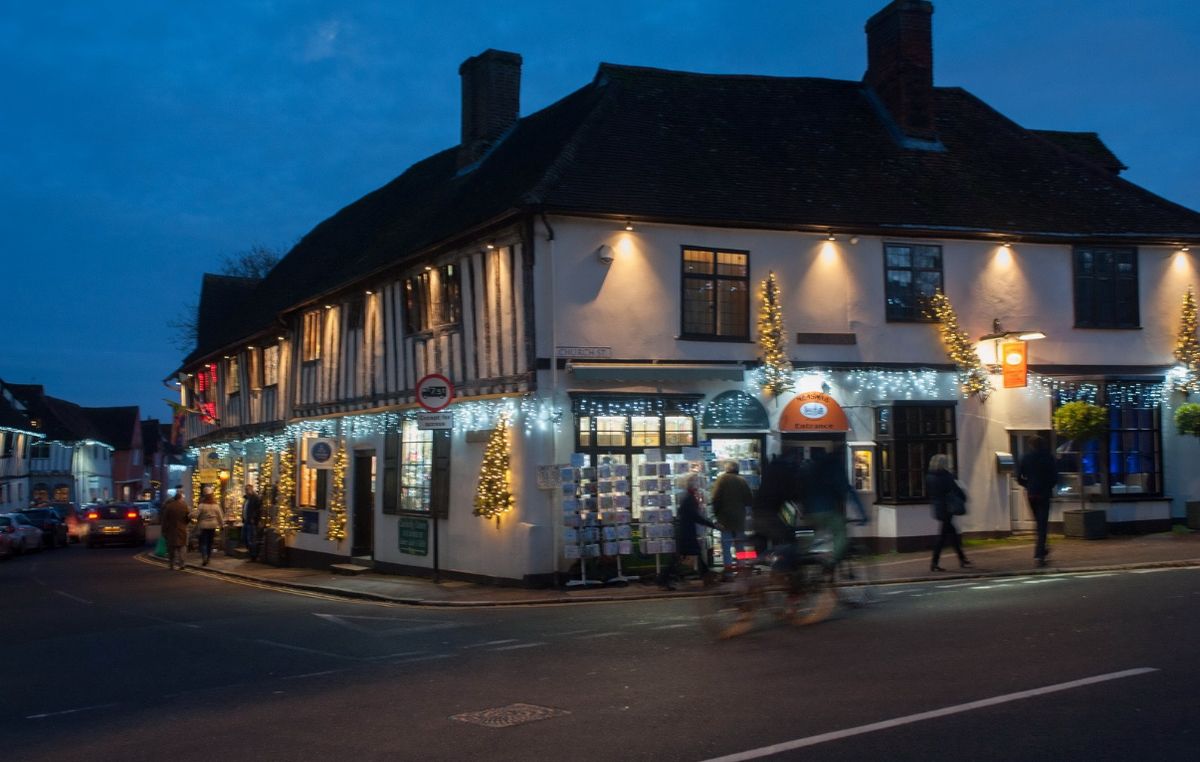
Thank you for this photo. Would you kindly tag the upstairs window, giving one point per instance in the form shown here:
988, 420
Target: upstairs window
433, 299
39, 450
1106, 287
312, 336
270, 365
233, 380
912, 275
254, 367
716, 294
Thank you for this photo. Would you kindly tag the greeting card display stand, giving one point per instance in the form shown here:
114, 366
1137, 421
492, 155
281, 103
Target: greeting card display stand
580, 529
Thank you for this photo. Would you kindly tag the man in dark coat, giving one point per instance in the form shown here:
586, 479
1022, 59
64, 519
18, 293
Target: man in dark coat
731, 496
1038, 474
174, 529
251, 521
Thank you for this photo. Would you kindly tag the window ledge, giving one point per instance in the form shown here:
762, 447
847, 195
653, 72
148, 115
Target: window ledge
722, 339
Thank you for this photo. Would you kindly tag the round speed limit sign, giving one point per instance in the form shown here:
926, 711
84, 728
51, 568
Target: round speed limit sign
434, 392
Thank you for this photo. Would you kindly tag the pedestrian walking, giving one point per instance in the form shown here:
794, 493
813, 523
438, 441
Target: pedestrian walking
1038, 473
826, 491
251, 520
949, 500
209, 519
780, 485
175, 530
731, 497
687, 543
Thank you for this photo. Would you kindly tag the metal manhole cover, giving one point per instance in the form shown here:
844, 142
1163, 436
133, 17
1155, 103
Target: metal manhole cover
507, 716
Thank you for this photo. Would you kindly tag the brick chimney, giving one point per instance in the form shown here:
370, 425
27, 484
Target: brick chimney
900, 64
491, 101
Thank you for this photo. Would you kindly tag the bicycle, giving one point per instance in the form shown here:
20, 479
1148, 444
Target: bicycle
794, 584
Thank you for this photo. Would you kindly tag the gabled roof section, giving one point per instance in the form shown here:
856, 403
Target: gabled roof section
1087, 145
59, 420
117, 426
721, 150
12, 411
224, 302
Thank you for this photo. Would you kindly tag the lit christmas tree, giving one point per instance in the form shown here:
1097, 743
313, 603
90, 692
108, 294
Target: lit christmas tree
492, 497
1187, 347
777, 368
285, 522
972, 376
336, 529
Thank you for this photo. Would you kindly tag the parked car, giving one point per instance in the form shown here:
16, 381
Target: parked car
148, 510
115, 522
69, 515
6, 545
54, 531
24, 535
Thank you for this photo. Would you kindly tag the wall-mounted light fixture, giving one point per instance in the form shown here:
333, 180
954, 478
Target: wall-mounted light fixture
1006, 244
604, 254
328, 306
999, 335
831, 237
369, 292
629, 224
282, 338
490, 246
1185, 248
854, 240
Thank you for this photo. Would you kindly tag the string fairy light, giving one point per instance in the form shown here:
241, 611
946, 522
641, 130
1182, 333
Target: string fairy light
972, 376
335, 530
1187, 348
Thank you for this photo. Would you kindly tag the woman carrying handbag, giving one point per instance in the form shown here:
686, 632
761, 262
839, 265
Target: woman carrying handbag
949, 500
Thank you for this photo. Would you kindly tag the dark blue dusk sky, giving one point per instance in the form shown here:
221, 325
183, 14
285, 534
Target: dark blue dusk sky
143, 141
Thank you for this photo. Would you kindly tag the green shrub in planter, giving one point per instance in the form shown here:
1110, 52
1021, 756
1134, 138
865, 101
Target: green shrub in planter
1081, 422
1187, 418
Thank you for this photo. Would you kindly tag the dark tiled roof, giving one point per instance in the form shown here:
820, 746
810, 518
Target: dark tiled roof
115, 425
1085, 144
776, 152
60, 420
225, 303
10, 415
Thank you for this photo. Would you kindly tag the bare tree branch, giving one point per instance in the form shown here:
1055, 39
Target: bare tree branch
254, 262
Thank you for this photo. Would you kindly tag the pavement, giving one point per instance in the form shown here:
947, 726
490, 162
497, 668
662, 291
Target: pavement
990, 559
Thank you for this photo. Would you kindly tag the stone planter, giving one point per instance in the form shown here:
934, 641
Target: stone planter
1090, 524
1193, 514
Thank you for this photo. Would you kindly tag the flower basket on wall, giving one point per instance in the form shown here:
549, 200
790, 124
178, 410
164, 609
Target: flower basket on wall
1082, 422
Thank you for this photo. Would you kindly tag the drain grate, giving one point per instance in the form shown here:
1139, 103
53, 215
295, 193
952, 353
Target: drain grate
507, 716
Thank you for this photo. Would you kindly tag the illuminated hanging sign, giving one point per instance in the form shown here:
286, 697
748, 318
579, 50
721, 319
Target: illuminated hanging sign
813, 411
1013, 364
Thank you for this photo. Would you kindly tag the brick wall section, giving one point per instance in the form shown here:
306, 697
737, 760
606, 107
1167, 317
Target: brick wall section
491, 101
900, 64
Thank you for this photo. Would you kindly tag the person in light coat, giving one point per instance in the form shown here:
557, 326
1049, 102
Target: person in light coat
209, 518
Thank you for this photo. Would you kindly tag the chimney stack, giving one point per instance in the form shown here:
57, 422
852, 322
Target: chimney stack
491, 101
900, 64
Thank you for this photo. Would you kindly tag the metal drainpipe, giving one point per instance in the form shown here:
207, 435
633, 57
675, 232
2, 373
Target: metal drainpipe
553, 377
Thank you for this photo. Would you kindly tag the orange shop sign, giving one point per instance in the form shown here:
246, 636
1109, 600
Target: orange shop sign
813, 411
1015, 369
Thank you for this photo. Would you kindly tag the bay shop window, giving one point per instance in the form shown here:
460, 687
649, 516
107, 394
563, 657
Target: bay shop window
620, 430
1127, 461
908, 435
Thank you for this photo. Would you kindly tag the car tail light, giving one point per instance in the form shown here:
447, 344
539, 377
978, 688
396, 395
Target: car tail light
746, 555
93, 515
131, 515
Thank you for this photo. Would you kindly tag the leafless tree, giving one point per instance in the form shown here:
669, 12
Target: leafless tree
254, 262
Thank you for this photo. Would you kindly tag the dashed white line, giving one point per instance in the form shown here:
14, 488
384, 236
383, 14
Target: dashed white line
302, 649
491, 643
66, 711
431, 657
671, 626
599, 635
73, 597
960, 584
312, 674
517, 646
836, 735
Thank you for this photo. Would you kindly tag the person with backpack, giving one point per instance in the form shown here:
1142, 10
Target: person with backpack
1038, 473
948, 500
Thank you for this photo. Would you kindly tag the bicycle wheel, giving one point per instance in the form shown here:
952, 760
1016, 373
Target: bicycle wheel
812, 598
730, 612
857, 580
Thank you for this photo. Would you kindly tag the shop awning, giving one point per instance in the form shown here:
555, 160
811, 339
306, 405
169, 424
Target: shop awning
648, 371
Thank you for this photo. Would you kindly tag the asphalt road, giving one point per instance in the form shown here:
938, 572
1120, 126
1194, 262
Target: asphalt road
110, 658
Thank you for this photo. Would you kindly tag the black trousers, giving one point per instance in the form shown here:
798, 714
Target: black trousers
673, 569
949, 534
1040, 506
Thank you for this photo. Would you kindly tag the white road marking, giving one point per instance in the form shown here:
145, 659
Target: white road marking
572, 632
431, 657
836, 735
396, 655
960, 584
600, 635
1148, 571
898, 592
517, 646
312, 674
302, 649
66, 711
385, 625
491, 643
73, 597
1098, 574
671, 626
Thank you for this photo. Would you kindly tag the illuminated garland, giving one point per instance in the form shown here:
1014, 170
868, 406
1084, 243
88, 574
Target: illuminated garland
285, 523
493, 497
336, 529
237, 481
1187, 348
777, 368
972, 376
195, 487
